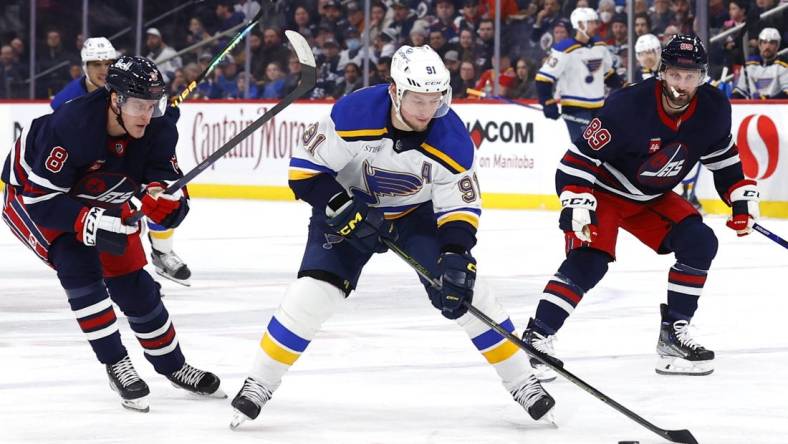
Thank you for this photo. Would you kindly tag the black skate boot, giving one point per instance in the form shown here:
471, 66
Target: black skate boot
171, 266
248, 402
544, 345
534, 399
132, 390
679, 354
197, 381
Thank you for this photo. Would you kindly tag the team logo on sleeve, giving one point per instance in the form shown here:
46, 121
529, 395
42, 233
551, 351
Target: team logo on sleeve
665, 168
384, 183
654, 144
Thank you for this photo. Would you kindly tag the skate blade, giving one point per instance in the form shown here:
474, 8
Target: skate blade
550, 418
184, 282
138, 405
675, 366
218, 394
238, 419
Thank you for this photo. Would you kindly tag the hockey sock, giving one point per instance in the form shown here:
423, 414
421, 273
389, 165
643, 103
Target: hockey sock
507, 359
160, 238
139, 298
695, 246
580, 272
307, 304
684, 289
96, 317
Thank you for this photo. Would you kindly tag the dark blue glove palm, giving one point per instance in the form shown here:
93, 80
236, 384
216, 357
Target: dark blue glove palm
361, 225
551, 111
457, 277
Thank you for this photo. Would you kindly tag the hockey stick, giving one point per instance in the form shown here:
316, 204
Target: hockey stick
177, 100
770, 235
477, 93
680, 436
308, 78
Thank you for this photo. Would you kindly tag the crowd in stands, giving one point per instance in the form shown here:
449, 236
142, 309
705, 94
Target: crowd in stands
461, 31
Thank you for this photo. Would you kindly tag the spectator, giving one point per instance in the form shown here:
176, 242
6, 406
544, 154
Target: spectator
197, 32
618, 34
249, 8
670, 31
418, 34
660, 16
354, 52
734, 44
486, 44
485, 82
75, 71
377, 19
302, 22
328, 70
562, 29
468, 49
53, 55
225, 85
470, 16
508, 8
293, 74
718, 14
452, 62
19, 51
404, 17
468, 77
350, 82
606, 11
642, 24
190, 73
438, 40
274, 82
382, 71
523, 86
177, 84
332, 15
446, 14
355, 16
228, 17
159, 52
545, 19
682, 16
384, 44
12, 75
272, 51
241, 81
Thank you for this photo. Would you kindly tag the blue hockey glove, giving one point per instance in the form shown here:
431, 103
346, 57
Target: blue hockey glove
457, 277
360, 224
550, 110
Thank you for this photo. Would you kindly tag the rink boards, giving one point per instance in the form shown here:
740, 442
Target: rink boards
518, 149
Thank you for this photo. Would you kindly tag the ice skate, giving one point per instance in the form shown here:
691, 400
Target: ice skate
544, 345
679, 354
535, 400
124, 380
171, 266
248, 402
197, 381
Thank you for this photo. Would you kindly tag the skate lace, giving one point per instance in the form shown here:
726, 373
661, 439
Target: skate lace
171, 260
529, 393
256, 392
543, 343
189, 375
681, 328
124, 372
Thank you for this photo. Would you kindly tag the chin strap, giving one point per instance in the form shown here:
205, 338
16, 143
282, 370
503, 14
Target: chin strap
395, 101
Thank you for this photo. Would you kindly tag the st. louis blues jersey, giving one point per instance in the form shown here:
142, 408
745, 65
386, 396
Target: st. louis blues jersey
357, 149
72, 90
65, 161
763, 80
579, 71
635, 150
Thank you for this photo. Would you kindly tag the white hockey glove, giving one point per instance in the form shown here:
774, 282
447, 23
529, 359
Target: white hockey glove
578, 214
104, 229
745, 202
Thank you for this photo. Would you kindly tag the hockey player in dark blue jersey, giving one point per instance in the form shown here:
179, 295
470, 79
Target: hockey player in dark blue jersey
619, 175
69, 178
97, 55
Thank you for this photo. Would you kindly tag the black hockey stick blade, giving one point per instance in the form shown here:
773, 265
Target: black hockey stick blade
678, 436
308, 78
177, 100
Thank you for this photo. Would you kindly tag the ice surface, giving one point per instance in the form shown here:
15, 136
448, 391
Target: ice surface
387, 368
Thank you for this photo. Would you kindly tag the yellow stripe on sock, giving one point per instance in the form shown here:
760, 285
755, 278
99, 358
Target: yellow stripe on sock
276, 351
166, 234
501, 352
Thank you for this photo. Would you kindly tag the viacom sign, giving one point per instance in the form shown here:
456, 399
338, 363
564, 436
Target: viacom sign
759, 146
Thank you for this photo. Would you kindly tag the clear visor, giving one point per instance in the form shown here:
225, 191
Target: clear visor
135, 107
424, 104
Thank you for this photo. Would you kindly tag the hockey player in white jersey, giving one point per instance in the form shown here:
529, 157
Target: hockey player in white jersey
581, 66
648, 50
394, 162
765, 76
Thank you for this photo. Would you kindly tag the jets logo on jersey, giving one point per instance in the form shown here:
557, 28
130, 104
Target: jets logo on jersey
662, 170
593, 64
384, 183
105, 190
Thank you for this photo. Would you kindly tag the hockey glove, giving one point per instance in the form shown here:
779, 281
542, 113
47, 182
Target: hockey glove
744, 199
104, 229
360, 224
578, 214
457, 277
550, 110
164, 209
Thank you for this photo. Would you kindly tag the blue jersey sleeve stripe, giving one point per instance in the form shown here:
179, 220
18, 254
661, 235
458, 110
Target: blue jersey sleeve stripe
476, 211
492, 337
585, 99
547, 75
286, 337
303, 163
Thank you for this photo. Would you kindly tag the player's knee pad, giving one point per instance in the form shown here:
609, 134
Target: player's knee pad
136, 293
693, 242
308, 303
585, 267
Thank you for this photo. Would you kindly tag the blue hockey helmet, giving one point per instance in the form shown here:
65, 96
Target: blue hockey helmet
685, 51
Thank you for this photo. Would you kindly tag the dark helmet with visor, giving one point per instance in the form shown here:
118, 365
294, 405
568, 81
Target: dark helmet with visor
137, 78
685, 51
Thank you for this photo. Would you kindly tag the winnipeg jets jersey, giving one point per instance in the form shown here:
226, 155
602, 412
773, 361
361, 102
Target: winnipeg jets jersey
763, 80
635, 150
393, 170
579, 71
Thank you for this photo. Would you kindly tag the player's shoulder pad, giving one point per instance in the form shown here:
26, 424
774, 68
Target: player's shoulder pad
567, 45
781, 62
623, 103
714, 99
362, 115
80, 124
598, 42
754, 59
448, 143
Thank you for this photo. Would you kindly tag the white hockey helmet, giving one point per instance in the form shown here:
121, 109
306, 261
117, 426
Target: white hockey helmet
648, 42
98, 48
770, 35
582, 15
420, 69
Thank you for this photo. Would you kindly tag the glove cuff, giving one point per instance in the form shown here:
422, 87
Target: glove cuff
580, 197
746, 189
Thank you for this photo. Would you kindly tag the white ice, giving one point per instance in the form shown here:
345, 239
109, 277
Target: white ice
387, 368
